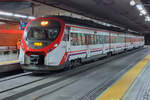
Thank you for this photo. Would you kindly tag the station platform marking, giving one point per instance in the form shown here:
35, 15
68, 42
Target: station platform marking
9, 62
118, 89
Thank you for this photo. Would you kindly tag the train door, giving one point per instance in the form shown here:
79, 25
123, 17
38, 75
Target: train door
88, 45
106, 42
68, 39
110, 42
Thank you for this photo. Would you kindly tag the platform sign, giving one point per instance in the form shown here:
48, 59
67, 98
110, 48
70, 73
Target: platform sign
23, 25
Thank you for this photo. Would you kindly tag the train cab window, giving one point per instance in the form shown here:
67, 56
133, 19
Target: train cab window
37, 34
49, 32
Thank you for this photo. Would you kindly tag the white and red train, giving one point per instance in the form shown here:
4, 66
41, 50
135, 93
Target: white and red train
57, 42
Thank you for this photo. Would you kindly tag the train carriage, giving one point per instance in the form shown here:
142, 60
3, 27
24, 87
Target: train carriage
57, 42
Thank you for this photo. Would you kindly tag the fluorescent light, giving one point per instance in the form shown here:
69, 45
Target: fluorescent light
18, 15
147, 18
6, 13
2, 23
143, 12
132, 3
31, 17
140, 14
139, 7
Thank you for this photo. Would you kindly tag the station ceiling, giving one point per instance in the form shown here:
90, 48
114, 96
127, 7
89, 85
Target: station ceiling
118, 12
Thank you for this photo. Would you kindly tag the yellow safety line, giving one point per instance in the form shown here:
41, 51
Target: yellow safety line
117, 90
9, 62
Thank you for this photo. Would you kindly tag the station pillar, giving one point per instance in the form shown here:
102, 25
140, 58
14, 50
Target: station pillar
147, 39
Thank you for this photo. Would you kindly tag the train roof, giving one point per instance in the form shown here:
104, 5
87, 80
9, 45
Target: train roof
88, 23
83, 22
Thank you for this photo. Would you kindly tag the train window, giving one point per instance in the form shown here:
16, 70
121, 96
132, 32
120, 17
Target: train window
117, 39
79, 38
97, 39
101, 39
106, 39
95, 42
112, 39
86, 39
92, 39
66, 37
74, 38
123, 40
120, 39
83, 39
89, 39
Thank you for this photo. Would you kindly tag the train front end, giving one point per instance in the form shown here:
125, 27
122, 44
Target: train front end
41, 45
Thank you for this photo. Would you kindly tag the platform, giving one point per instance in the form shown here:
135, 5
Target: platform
132, 84
9, 62
140, 89
8, 57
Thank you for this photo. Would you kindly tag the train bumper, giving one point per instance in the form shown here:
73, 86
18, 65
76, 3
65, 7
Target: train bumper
42, 68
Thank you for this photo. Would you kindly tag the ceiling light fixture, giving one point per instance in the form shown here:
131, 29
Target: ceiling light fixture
140, 14
21, 16
31, 17
147, 18
139, 7
132, 3
6, 13
143, 12
16, 15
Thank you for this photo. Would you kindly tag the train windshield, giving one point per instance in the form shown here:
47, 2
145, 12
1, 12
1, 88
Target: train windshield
43, 30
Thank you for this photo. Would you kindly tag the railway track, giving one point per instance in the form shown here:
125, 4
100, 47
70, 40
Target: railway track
34, 83
15, 76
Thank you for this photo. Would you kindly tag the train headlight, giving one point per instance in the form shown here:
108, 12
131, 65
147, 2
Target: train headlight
44, 23
39, 44
55, 45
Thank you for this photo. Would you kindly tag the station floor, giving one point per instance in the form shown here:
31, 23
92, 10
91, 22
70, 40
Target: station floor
120, 77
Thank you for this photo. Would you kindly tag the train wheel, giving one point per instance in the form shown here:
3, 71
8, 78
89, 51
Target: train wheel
69, 65
77, 63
